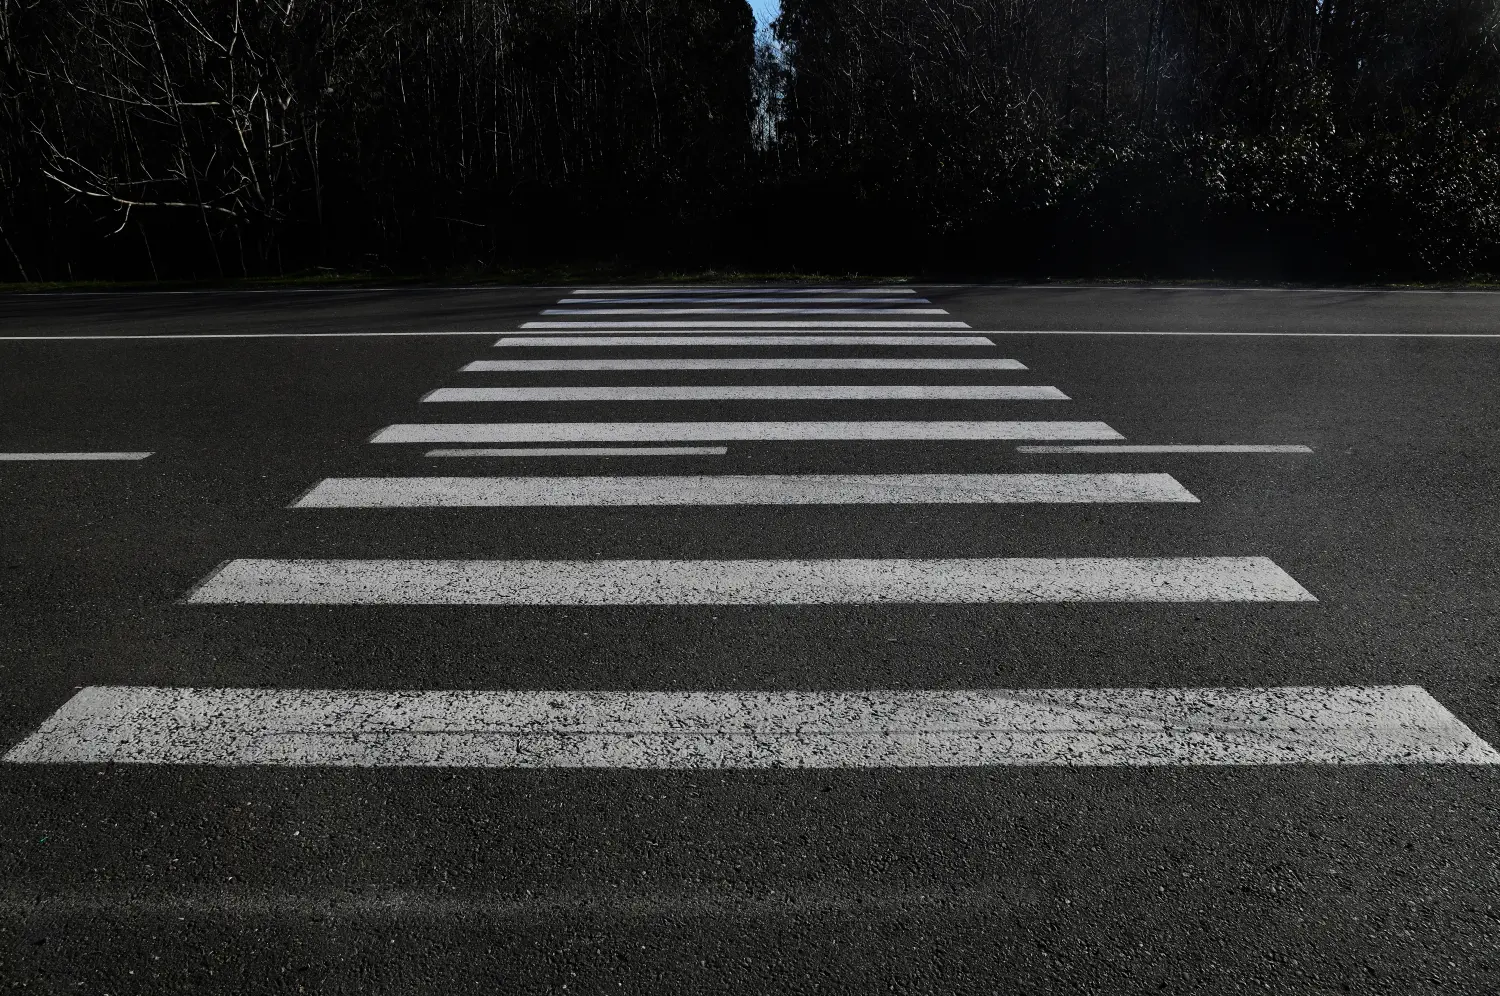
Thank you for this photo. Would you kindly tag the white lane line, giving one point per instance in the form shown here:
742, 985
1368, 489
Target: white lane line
239, 335
771, 299
575, 339
1273, 335
660, 288
852, 323
777, 363
1370, 724
748, 582
566, 451
756, 392
102, 455
744, 311
666, 432
1171, 448
730, 489
899, 326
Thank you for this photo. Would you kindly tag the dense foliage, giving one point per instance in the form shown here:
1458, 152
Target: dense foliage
1296, 138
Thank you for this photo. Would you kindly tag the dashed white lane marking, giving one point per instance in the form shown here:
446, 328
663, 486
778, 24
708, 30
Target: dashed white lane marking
102, 455
576, 339
581, 451
748, 582
660, 288
1371, 724
756, 392
744, 311
1171, 448
778, 363
719, 299
732, 489
728, 432
849, 323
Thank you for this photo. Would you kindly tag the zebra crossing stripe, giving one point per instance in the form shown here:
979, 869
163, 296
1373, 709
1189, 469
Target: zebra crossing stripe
744, 311
582, 451
728, 299
848, 323
755, 392
721, 363
724, 432
659, 288
588, 338
766, 489
748, 582
1145, 727
95, 455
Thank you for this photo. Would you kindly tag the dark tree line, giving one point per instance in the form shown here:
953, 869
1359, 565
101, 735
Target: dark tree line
1316, 138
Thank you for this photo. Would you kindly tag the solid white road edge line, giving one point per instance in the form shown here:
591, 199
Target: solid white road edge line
1148, 727
728, 432
730, 489
748, 582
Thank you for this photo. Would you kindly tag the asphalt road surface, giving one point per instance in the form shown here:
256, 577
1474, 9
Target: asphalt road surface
885, 700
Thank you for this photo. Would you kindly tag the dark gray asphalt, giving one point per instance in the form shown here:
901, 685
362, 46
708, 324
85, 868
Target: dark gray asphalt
1190, 880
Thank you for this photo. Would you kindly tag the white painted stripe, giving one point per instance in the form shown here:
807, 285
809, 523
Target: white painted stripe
901, 326
102, 455
1175, 448
744, 311
663, 432
1373, 724
748, 582
756, 392
719, 363
759, 339
852, 323
241, 335
592, 451
729, 489
656, 288
764, 299
1271, 335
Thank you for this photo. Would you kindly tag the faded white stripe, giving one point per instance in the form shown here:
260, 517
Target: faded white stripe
665, 432
719, 299
778, 363
744, 311
735, 489
748, 582
101, 455
852, 323
756, 392
1163, 448
565, 451
576, 339
1378, 724
655, 288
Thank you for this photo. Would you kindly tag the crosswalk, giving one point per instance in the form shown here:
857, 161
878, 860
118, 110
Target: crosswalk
772, 727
